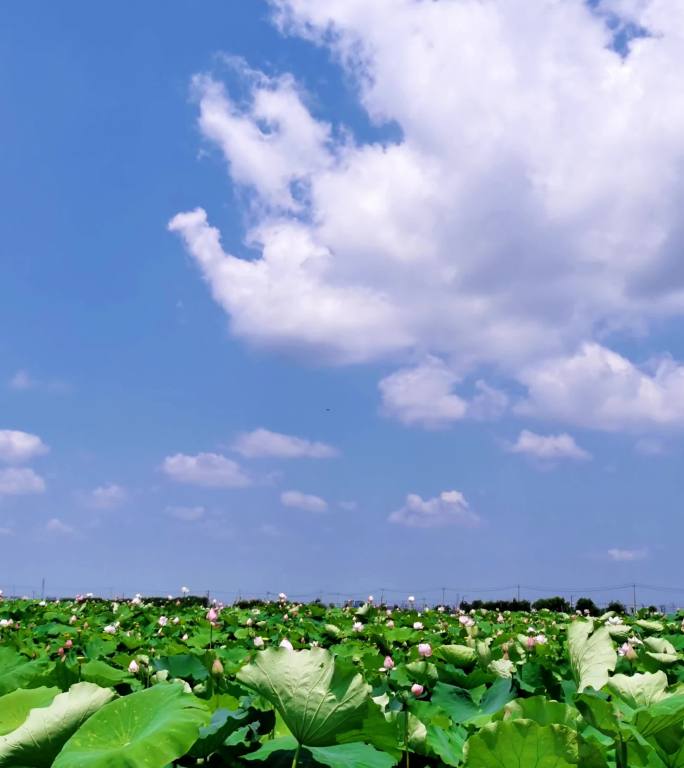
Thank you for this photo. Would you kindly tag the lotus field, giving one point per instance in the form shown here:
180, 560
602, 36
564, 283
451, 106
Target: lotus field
97, 684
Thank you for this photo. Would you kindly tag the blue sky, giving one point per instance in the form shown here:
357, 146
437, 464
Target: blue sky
457, 282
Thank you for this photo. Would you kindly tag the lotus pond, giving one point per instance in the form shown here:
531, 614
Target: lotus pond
100, 684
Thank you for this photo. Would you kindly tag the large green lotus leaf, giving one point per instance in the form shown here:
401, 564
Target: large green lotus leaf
18, 672
101, 673
354, 755
458, 655
460, 706
639, 690
183, 665
316, 697
592, 654
147, 729
650, 626
15, 706
446, 743
664, 714
541, 710
270, 747
40, 737
522, 744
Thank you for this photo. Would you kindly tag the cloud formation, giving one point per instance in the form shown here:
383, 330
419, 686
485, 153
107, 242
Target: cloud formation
305, 501
210, 470
627, 555
106, 496
17, 447
549, 447
262, 443
449, 508
20, 481
526, 214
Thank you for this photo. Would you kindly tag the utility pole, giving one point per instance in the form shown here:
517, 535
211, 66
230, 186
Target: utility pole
634, 599
42, 589
518, 592
443, 596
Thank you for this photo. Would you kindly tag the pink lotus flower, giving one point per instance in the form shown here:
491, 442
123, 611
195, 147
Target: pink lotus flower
388, 663
417, 624
258, 642
212, 615
531, 642
357, 626
133, 667
285, 643
390, 623
163, 621
425, 650
417, 689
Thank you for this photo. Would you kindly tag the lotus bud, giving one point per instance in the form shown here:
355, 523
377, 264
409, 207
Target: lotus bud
258, 642
133, 667
285, 643
217, 667
425, 650
212, 615
68, 643
417, 689
388, 663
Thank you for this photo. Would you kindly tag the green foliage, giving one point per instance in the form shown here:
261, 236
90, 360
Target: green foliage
97, 684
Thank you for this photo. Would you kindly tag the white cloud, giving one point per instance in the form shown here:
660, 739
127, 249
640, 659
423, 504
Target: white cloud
424, 395
211, 470
449, 508
57, 526
264, 443
600, 389
525, 208
21, 381
106, 496
18, 447
627, 555
20, 481
549, 447
186, 514
305, 501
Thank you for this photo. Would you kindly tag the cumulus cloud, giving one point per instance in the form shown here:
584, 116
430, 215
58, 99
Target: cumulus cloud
525, 208
20, 481
548, 447
106, 496
424, 395
449, 508
21, 381
262, 443
210, 470
627, 555
600, 389
17, 447
186, 514
305, 501
57, 526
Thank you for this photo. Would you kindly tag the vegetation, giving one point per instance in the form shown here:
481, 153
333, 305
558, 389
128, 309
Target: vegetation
98, 684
